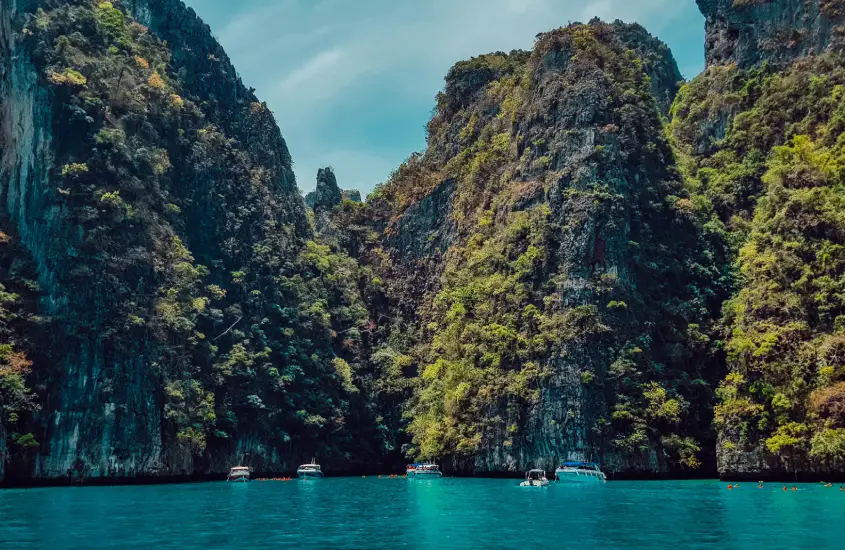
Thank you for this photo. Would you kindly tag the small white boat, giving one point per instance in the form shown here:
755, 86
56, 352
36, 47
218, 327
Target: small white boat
239, 473
580, 472
423, 471
535, 478
307, 471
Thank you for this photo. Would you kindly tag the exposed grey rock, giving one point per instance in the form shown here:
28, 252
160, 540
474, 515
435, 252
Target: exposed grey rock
750, 32
104, 413
574, 120
327, 194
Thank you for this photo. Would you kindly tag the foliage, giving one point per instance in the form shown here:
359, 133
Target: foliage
191, 253
500, 322
771, 174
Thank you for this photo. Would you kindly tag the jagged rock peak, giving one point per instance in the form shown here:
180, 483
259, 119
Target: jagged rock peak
751, 32
467, 79
327, 194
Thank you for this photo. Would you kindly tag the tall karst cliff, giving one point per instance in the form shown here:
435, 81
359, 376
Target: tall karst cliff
549, 290
762, 142
161, 285
585, 262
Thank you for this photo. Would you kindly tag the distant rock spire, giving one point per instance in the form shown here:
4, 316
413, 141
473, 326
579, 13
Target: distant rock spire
328, 194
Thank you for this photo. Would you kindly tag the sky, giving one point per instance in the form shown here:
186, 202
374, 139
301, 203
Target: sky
352, 82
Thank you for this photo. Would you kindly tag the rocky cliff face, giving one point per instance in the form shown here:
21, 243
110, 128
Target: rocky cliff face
531, 240
154, 194
543, 282
755, 133
750, 32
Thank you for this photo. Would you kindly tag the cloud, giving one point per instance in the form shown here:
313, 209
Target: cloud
357, 79
318, 67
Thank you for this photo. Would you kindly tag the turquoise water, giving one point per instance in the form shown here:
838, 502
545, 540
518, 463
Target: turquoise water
444, 513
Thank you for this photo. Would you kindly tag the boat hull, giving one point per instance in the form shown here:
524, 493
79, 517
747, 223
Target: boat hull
423, 475
309, 474
238, 479
579, 476
535, 483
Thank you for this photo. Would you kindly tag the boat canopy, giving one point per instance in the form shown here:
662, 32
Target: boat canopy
311, 466
574, 464
537, 471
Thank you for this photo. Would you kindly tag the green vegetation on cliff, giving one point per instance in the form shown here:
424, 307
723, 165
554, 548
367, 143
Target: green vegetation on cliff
182, 258
557, 318
575, 267
764, 150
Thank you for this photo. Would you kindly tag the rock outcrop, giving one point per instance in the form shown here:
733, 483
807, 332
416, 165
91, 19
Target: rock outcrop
155, 196
754, 133
751, 32
531, 239
327, 195
543, 282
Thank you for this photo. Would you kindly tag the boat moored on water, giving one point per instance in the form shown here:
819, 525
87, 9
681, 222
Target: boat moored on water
423, 471
580, 472
239, 473
309, 471
535, 478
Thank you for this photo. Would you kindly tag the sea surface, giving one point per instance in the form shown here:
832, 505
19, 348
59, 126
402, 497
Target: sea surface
445, 513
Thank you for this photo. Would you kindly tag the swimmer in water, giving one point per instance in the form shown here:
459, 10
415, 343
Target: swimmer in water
794, 488
829, 485
730, 486
784, 487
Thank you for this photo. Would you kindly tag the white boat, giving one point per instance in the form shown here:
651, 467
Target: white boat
535, 478
239, 473
580, 472
307, 471
423, 471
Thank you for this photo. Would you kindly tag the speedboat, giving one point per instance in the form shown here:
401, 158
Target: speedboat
535, 478
309, 470
239, 473
580, 472
423, 471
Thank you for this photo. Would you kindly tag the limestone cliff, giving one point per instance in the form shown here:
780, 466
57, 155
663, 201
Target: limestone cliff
751, 32
755, 133
187, 322
541, 264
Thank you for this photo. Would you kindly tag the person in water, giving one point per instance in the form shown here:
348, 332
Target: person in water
784, 487
794, 488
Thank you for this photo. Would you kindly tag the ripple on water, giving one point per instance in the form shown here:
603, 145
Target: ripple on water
445, 513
